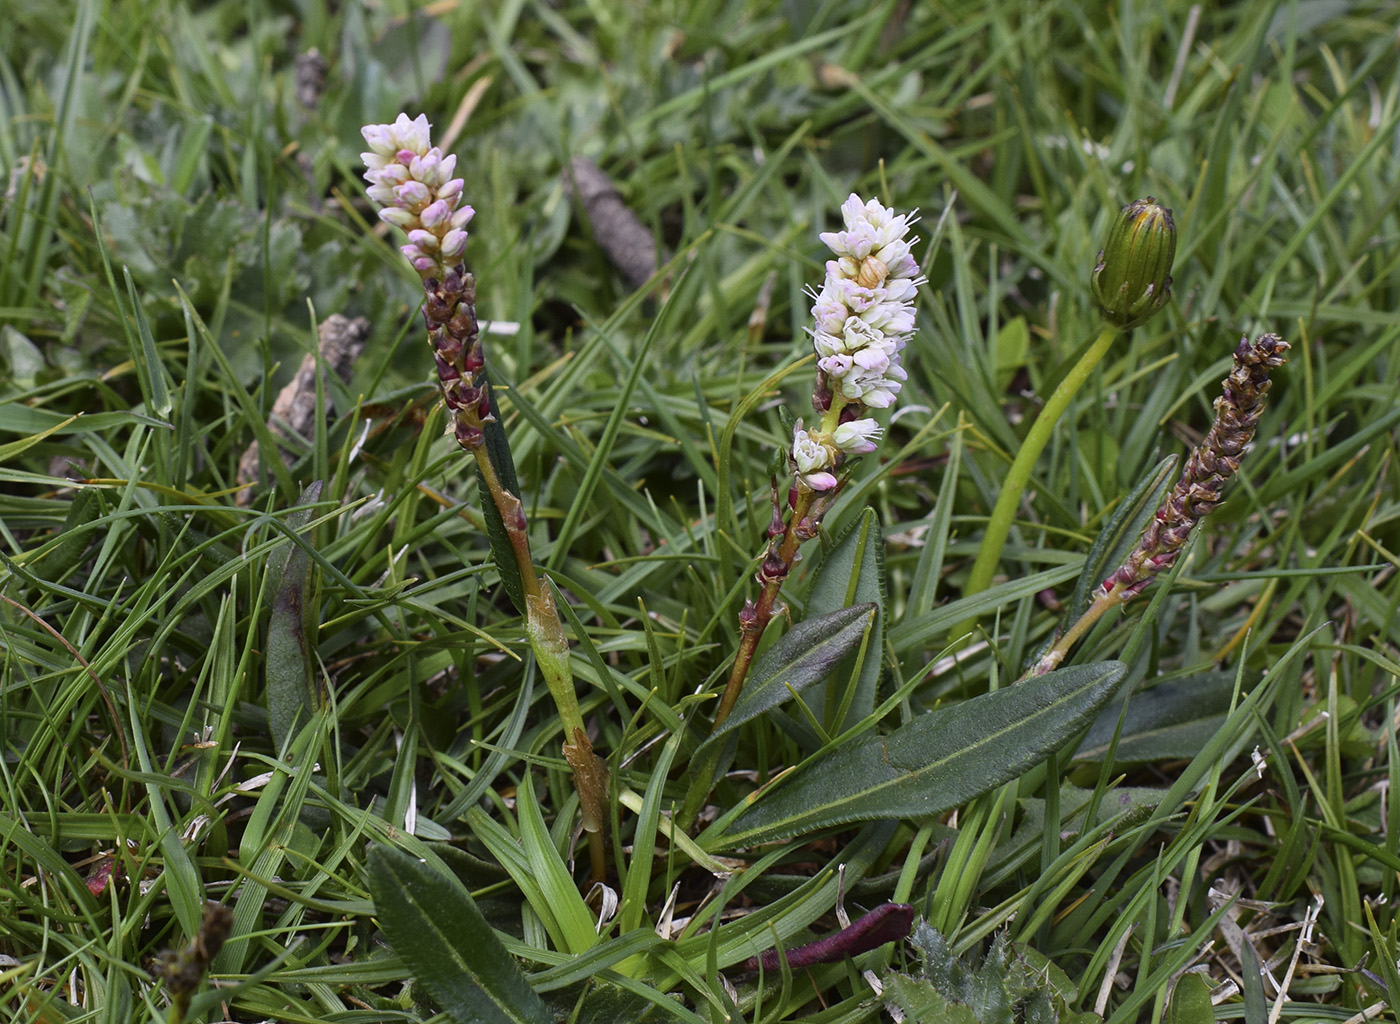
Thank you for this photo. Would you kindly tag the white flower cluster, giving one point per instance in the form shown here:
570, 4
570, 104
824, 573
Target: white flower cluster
816, 453
865, 311
864, 317
413, 182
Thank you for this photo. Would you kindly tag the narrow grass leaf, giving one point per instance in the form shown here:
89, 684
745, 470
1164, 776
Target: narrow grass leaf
1256, 1004
436, 929
149, 370
574, 917
9, 451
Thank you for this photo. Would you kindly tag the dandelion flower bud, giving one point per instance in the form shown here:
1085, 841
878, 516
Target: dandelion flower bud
1132, 279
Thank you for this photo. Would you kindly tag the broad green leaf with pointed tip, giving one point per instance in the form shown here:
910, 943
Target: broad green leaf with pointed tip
801, 659
434, 926
1190, 1001
852, 572
937, 761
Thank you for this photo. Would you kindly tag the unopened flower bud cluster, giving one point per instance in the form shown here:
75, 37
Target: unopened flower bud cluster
413, 183
864, 316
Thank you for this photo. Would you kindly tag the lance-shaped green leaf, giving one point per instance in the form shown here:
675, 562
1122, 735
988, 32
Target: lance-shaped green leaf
801, 659
804, 656
434, 926
291, 696
1175, 719
935, 762
852, 572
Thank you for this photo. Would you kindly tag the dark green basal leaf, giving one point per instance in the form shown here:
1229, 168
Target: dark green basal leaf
934, 763
291, 696
1172, 720
798, 662
434, 926
75, 537
498, 451
801, 659
852, 572
1190, 1002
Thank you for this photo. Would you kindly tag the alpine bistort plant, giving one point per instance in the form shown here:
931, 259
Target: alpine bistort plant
412, 180
863, 317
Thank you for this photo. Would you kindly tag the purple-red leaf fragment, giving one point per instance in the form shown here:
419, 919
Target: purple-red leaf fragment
889, 922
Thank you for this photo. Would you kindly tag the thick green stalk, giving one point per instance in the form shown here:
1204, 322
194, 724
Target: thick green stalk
1004, 513
551, 648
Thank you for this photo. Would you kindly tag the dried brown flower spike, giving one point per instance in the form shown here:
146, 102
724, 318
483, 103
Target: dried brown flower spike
1196, 494
1211, 464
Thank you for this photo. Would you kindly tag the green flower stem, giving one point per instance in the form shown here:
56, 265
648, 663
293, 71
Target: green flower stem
1004, 513
1103, 602
551, 648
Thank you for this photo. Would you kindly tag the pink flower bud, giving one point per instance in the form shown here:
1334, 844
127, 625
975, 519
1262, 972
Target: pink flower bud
412, 193
454, 243
435, 213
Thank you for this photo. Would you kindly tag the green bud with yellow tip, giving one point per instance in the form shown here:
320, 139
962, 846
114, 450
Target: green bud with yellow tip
1133, 277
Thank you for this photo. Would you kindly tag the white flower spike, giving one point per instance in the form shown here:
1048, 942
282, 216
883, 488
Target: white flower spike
862, 319
412, 180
